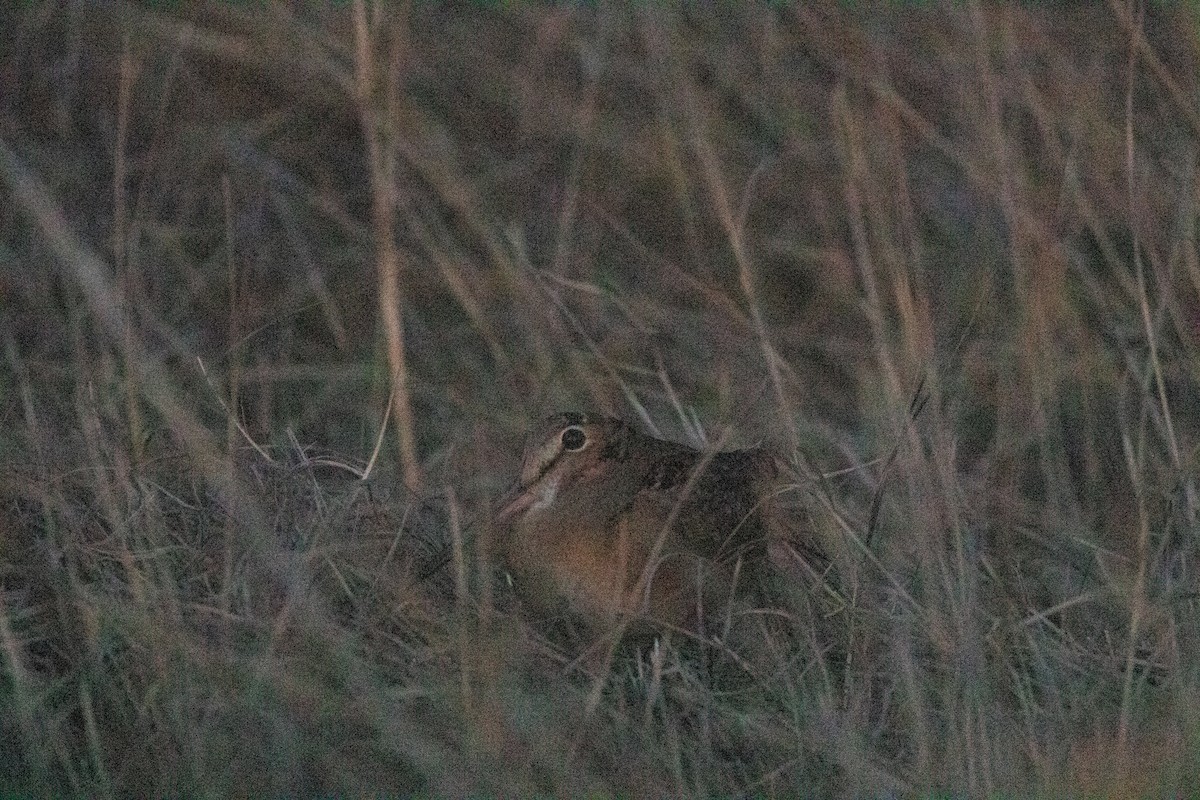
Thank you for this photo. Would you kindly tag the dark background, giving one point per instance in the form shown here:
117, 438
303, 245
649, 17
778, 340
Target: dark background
944, 257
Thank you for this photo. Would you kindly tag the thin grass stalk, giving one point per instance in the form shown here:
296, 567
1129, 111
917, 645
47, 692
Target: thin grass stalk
380, 134
857, 177
127, 73
733, 225
1138, 602
232, 426
29, 711
462, 598
1143, 300
95, 744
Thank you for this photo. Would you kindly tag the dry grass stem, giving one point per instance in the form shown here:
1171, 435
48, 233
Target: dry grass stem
943, 263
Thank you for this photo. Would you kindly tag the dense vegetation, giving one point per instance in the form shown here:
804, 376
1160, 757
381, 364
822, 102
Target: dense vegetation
944, 261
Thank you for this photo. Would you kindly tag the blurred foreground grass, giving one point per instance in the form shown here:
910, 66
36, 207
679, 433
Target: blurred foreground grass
944, 259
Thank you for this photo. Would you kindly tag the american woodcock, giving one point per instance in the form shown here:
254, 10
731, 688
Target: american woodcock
616, 525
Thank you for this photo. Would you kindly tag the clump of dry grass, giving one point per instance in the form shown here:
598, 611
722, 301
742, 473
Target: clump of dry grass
264, 267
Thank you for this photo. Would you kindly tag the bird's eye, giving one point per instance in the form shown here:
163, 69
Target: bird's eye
573, 438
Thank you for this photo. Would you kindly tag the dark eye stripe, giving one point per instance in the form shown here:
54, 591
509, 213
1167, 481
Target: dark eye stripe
564, 447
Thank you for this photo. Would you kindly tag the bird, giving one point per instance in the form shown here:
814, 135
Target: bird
619, 528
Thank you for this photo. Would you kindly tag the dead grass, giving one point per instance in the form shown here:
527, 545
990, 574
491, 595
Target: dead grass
945, 261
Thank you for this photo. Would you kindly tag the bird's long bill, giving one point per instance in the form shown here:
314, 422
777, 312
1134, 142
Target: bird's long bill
513, 503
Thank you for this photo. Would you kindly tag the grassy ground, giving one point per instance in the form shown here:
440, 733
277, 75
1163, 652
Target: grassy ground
944, 260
